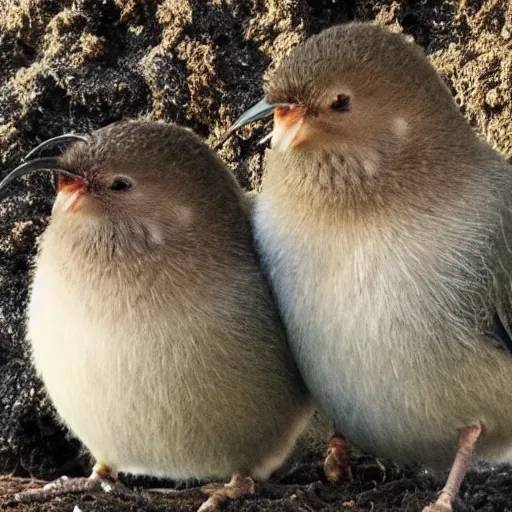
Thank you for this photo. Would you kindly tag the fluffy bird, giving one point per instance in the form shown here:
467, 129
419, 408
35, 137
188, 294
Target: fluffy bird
385, 226
151, 324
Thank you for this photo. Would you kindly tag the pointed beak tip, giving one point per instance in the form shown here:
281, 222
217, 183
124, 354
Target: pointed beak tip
258, 111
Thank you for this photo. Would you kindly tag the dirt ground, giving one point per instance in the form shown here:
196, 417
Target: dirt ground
78, 65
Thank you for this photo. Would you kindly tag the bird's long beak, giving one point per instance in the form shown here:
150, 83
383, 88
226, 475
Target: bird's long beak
261, 110
71, 187
61, 139
288, 120
50, 164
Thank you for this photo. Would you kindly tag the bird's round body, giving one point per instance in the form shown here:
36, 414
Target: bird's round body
385, 226
151, 324
397, 361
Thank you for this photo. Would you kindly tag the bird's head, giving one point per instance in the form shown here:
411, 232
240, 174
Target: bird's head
134, 186
355, 96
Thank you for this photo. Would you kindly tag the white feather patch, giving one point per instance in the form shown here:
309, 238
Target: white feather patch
65, 201
283, 136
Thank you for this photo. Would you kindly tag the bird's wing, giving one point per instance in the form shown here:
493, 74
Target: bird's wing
501, 334
501, 328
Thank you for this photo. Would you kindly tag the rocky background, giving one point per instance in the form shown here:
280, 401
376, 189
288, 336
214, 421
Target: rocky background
79, 65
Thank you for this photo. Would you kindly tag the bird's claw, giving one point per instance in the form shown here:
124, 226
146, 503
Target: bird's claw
442, 504
438, 507
65, 485
219, 493
336, 464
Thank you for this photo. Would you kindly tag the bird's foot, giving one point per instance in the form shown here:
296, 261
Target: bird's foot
336, 464
442, 504
467, 439
102, 479
219, 493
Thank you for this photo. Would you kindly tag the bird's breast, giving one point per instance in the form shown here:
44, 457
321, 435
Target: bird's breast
374, 316
338, 280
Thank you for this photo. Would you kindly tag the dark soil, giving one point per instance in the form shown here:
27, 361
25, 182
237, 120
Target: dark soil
79, 65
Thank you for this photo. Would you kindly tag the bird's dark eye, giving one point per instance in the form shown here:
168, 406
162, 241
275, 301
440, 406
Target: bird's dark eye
120, 185
341, 104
